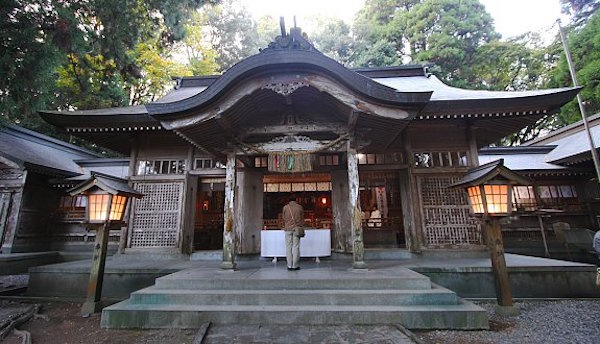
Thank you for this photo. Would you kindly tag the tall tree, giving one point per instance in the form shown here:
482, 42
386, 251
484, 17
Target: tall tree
333, 39
267, 29
94, 48
28, 58
231, 32
448, 34
580, 10
584, 45
377, 43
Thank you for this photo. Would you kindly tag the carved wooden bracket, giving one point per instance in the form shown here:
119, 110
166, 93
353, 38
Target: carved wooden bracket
284, 88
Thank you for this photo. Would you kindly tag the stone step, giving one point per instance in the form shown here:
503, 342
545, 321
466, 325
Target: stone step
278, 280
154, 295
389, 283
463, 315
387, 254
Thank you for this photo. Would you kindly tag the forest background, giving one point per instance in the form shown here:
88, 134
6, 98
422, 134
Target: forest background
89, 54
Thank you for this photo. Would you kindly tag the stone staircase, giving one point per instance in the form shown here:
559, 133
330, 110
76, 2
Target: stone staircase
312, 296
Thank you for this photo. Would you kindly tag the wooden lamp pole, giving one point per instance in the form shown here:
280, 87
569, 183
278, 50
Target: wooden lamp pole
489, 190
107, 198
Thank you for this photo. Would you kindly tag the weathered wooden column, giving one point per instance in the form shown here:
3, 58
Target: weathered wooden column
358, 247
13, 186
228, 216
92, 302
495, 244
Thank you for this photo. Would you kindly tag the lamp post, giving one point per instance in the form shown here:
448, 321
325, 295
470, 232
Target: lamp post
107, 200
489, 190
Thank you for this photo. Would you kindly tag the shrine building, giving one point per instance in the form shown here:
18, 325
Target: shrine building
367, 152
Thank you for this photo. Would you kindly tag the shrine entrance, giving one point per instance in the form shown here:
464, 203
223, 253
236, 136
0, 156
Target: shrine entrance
208, 218
382, 220
311, 190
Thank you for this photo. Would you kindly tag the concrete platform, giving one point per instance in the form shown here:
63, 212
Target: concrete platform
19, 263
470, 277
530, 277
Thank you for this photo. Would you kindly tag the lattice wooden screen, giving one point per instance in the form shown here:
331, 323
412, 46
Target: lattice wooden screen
157, 216
446, 214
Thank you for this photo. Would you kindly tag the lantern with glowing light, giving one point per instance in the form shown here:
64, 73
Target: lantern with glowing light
107, 197
489, 191
107, 200
489, 188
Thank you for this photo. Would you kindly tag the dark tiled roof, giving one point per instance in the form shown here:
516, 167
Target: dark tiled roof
485, 172
40, 152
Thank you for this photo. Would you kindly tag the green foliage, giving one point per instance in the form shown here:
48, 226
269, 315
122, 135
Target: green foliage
230, 31
59, 54
448, 34
333, 39
27, 60
581, 10
201, 58
513, 65
584, 45
267, 29
378, 42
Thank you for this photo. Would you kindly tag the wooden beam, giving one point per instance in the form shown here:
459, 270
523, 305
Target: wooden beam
352, 120
292, 129
216, 154
393, 138
225, 125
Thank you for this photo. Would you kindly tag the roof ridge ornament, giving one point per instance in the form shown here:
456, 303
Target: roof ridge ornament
295, 40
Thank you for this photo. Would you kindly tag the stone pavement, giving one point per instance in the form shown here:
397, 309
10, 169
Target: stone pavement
263, 334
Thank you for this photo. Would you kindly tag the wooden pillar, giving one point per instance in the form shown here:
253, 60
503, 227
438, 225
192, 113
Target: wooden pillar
248, 211
228, 216
126, 230
473, 151
413, 244
11, 224
92, 302
358, 247
496, 247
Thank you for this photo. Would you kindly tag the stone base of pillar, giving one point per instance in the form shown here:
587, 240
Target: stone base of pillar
228, 266
360, 265
91, 307
510, 311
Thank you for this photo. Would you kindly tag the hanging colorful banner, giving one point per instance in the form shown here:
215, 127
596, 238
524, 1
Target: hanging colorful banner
290, 162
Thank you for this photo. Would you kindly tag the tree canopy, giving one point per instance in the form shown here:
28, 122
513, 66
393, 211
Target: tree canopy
61, 54
85, 54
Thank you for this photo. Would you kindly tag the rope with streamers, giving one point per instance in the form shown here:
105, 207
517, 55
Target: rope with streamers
293, 161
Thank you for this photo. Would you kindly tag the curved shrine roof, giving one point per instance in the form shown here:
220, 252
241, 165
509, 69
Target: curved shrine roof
380, 95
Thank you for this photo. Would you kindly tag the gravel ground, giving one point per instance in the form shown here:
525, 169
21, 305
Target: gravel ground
539, 321
544, 322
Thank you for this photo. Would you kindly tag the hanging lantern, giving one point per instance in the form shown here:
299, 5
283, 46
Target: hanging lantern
107, 197
489, 188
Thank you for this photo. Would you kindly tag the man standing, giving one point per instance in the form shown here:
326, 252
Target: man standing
293, 217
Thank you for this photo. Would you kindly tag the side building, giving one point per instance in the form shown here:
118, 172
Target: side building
558, 214
36, 215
